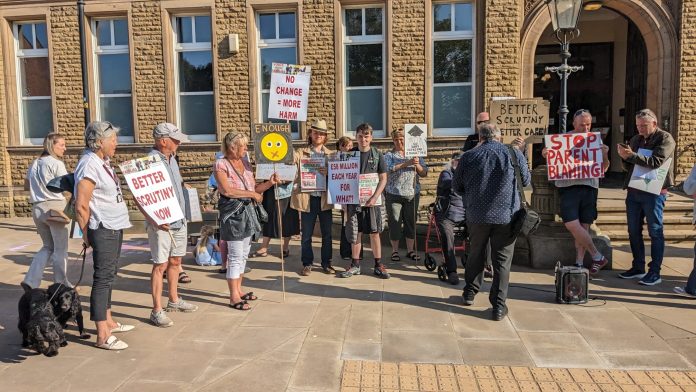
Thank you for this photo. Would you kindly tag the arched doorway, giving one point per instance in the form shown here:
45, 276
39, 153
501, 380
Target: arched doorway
629, 51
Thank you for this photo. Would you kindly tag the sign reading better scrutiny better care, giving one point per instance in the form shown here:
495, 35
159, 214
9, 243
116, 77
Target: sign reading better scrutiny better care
289, 92
574, 156
525, 118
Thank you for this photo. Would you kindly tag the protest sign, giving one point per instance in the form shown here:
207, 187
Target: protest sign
574, 156
149, 181
368, 185
647, 179
264, 171
310, 178
289, 92
272, 143
525, 118
343, 184
415, 140
193, 205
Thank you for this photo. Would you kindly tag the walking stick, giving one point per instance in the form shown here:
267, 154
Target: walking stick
415, 216
280, 228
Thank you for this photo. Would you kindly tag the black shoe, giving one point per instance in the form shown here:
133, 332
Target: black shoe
453, 278
499, 313
468, 298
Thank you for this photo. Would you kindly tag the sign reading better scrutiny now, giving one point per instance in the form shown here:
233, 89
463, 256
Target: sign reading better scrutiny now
574, 156
289, 92
525, 118
149, 181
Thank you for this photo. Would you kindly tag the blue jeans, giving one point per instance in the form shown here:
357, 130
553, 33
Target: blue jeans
691, 283
308, 221
642, 206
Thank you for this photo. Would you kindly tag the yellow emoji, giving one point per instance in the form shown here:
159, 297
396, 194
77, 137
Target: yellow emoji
274, 147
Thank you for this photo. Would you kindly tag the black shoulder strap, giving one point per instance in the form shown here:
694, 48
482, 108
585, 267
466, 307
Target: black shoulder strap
518, 176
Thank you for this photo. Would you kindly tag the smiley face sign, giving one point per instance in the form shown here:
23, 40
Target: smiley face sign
272, 143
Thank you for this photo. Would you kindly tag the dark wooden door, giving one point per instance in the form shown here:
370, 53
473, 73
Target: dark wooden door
636, 78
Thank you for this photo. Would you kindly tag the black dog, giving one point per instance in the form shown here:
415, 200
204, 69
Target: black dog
67, 307
40, 329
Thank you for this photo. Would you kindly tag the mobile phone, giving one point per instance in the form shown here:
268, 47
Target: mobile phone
623, 145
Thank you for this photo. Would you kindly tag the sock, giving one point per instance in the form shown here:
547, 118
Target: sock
597, 257
377, 261
355, 263
579, 263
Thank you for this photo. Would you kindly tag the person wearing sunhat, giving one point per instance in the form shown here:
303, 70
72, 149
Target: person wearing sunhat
168, 241
314, 204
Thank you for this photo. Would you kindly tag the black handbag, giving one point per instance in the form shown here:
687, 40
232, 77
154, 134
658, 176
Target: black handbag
525, 220
261, 213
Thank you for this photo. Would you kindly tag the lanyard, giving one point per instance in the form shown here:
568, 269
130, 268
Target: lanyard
112, 175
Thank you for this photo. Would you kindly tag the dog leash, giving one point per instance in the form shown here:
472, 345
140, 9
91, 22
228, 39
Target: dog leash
83, 253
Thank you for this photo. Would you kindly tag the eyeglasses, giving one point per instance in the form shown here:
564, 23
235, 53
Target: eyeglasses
483, 122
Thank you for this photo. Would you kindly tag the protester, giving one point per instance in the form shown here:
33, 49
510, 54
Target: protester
44, 203
650, 148
485, 177
290, 218
315, 204
578, 202
449, 212
473, 139
402, 194
345, 144
239, 222
368, 218
102, 215
207, 250
167, 241
690, 289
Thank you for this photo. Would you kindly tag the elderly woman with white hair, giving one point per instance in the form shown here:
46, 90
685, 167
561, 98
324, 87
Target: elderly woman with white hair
102, 215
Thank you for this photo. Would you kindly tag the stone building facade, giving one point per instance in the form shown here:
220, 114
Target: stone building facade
164, 37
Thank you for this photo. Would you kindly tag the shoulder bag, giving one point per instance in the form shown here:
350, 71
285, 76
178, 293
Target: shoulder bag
261, 213
525, 220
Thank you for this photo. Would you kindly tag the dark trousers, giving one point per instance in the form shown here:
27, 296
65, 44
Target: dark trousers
446, 229
308, 221
642, 206
106, 250
502, 243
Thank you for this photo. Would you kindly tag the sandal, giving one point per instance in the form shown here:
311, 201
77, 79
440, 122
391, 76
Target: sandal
112, 343
240, 305
413, 256
395, 256
184, 278
249, 296
258, 254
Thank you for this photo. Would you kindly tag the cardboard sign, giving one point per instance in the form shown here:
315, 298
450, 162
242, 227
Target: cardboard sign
272, 143
525, 118
264, 171
149, 181
415, 140
193, 205
368, 186
343, 181
310, 178
649, 180
289, 92
574, 156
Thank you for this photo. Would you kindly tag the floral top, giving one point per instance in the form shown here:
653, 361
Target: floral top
400, 182
223, 165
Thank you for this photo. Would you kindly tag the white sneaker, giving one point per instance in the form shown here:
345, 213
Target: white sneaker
160, 319
181, 306
681, 291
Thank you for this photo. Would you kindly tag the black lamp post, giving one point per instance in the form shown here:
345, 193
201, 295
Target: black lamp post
564, 19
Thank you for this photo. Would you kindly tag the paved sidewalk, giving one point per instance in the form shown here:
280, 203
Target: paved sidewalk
306, 342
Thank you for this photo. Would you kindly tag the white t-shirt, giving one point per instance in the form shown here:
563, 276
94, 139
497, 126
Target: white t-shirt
106, 206
41, 171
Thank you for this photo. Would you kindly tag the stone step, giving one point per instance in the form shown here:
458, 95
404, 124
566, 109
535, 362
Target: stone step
670, 235
676, 206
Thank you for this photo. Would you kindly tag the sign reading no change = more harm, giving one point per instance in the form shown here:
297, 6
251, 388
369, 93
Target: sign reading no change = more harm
289, 92
525, 118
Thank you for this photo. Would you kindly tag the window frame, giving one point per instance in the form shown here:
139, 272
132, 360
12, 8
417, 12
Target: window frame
193, 47
364, 39
453, 35
20, 54
271, 44
98, 50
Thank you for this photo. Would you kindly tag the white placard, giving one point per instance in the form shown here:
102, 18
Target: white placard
264, 171
310, 178
416, 140
343, 173
574, 156
289, 92
647, 183
368, 186
193, 205
149, 181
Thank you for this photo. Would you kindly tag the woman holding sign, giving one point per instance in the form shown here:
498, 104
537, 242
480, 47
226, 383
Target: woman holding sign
312, 203
239, 223
401, 195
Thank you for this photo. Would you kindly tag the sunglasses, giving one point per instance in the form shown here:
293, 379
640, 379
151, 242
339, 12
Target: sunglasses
483, 122
646, 113
580, 112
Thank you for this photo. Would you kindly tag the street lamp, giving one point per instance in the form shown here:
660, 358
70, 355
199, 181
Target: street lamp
564, 19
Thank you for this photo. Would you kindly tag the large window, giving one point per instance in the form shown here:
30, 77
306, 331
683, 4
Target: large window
277, 43
33, 81
114, 101
194, 81
453, 64
363, 41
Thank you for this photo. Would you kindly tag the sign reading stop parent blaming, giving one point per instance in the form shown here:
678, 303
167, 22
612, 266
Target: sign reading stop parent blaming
574, 156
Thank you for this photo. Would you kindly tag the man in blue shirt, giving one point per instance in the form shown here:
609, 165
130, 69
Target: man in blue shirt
486, 180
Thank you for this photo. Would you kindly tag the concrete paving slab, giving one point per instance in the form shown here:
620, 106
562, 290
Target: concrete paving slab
188, 359
361, 351
494, 352
365, 323
476, 323
560, 349
318, 367
155, 386
254, 376
539, 320
646, 360
418, 346
409, 317
251, 342
330, 322
280, 315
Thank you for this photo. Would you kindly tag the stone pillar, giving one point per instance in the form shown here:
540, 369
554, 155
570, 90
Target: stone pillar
503, 24
686, 156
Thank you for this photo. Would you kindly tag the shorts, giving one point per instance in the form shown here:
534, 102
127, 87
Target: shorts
369, 220
578, 202
161, 245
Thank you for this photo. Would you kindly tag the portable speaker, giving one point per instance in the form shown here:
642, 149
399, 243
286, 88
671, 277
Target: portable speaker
571, 284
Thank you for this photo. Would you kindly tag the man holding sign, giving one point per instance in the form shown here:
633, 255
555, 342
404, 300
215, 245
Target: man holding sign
167, 240
578, 195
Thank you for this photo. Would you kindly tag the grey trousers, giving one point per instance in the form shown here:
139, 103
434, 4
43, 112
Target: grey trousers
106, 250
502, 242
54, 237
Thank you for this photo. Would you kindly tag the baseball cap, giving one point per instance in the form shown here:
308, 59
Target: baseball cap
169, 130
